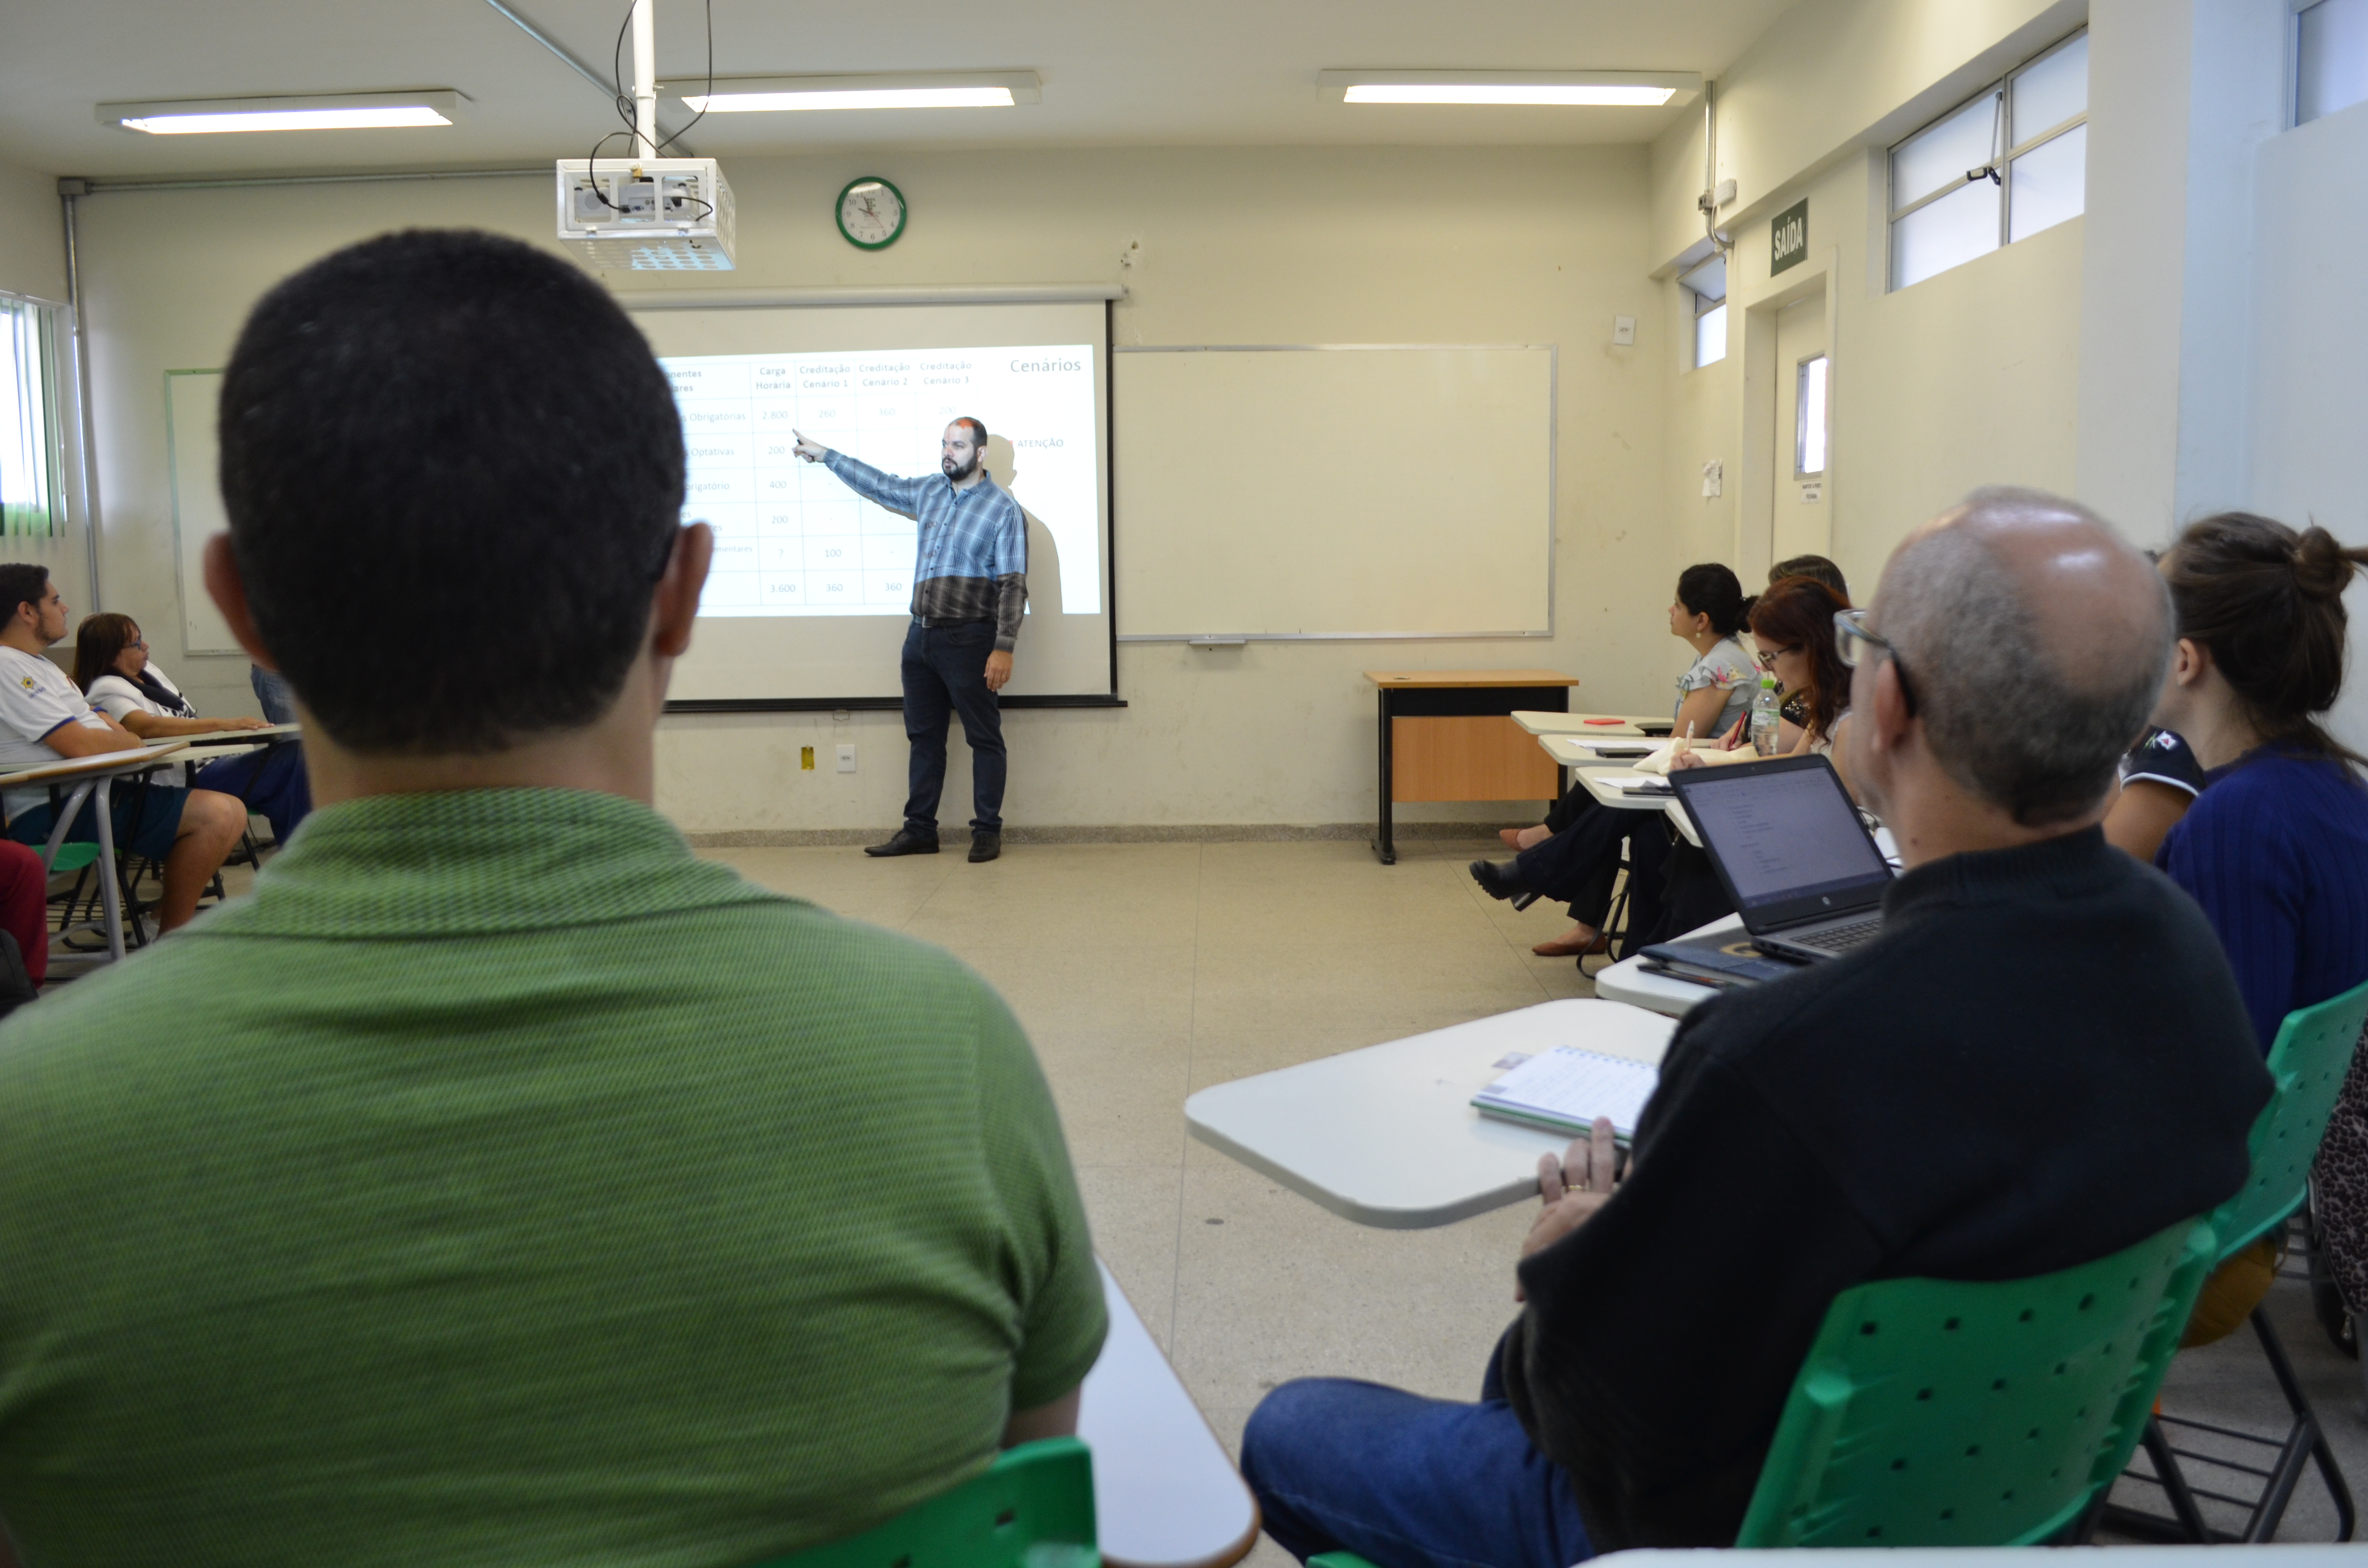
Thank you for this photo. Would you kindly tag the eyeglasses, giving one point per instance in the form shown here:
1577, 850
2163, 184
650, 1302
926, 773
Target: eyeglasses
1851, 641
1768, 657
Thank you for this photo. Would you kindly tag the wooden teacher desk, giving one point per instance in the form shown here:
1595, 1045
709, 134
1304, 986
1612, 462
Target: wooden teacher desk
1449, 735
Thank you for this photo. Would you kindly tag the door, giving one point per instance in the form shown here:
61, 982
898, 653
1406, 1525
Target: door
1798, 510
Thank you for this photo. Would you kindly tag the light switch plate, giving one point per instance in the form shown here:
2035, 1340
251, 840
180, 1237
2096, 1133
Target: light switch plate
1713, 477
1623, 331
846, 759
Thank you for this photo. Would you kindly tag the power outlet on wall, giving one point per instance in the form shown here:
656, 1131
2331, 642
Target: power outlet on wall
846, 759
805, 759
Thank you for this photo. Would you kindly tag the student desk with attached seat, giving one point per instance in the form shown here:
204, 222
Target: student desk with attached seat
1165, 1493
223, 742
92, 779
1616, 726
1449, 735
1387, 1136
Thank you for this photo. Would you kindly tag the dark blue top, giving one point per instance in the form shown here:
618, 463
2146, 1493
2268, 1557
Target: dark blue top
2276, 851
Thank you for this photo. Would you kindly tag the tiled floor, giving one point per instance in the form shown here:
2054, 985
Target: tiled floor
1143, 972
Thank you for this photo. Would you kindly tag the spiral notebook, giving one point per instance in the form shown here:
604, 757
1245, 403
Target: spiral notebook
1564, 1089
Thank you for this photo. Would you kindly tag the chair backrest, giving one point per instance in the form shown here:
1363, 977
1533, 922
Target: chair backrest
1033, 1507
2308, 1062
1934, 1413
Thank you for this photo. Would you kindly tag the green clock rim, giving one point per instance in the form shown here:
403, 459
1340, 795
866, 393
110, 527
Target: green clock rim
838, 212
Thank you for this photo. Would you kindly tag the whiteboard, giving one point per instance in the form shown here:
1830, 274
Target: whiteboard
191, 397
1349, 491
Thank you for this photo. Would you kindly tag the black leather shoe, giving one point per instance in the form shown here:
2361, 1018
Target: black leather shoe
1497, 880
984, 846
906, 842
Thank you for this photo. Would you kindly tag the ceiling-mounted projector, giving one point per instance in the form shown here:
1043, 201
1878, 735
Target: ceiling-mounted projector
646, 214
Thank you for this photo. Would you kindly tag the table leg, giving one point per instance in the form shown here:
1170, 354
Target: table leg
61, 819
1382, 842
102, 805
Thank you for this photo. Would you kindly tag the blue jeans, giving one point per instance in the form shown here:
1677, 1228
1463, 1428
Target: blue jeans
945, 674
272, 782
1406, 1482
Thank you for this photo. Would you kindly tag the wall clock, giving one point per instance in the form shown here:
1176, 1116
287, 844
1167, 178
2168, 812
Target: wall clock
871, 213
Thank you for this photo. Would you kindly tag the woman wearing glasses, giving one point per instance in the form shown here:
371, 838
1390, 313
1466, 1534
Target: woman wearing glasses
112, 666
1793, 622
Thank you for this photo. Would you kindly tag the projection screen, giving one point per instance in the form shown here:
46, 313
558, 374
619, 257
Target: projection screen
809, 596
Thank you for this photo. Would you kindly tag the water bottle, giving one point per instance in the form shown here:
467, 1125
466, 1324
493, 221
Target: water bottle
1767, 717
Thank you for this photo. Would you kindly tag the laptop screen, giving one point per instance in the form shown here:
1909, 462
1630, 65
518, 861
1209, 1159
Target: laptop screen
1783, 834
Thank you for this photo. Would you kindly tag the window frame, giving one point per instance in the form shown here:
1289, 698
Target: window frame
2003, 160
1703, 304
2293, 119
49, 328
1802, 404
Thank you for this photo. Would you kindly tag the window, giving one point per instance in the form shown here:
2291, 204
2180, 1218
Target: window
2330, 57
1706, 287
1809, 418
1999, 168
29, 449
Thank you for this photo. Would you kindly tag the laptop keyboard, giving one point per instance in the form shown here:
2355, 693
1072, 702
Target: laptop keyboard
1842, 938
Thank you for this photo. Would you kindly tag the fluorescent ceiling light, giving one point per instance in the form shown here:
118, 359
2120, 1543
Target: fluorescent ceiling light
341, 111
1555, 89
284, 119
777, 94
1449, 93
877, 97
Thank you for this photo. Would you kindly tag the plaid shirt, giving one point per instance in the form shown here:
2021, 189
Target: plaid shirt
972, 562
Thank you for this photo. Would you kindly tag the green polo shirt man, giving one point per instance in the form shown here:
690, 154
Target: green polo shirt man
500, 1184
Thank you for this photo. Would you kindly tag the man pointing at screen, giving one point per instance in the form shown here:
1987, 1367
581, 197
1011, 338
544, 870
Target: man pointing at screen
970, 583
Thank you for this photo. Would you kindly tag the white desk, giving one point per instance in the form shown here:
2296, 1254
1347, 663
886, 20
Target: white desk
1387, 1136
264, 737
1165, 1493
1627, 981
1625, 724
1586, 751
92, 779
1606, 785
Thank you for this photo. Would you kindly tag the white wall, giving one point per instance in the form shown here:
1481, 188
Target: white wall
2311, 341
1967, 379
1297, 245
2181, 95
1830, 76
32, 244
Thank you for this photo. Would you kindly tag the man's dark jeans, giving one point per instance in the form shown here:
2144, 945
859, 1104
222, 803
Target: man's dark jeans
1410, 1482
945, 674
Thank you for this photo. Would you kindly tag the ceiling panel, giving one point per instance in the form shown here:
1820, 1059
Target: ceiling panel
1239, 72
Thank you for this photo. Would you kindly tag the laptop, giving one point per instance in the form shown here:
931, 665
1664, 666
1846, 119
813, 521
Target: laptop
1792, 852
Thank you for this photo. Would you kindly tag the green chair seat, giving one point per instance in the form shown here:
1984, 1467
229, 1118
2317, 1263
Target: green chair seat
73, 857
2308, 1062
1934, 1413
1033, 1507
1937, 1412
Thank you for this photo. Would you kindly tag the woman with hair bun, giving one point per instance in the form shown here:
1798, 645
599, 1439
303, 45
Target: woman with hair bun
2275, 849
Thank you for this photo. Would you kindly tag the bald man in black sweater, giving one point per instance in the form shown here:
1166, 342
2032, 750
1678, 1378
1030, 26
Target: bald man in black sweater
2041, 1061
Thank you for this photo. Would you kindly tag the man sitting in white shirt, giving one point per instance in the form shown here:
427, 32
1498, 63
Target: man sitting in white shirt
44, 719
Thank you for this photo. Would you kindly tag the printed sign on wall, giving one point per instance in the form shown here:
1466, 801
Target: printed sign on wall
1788, 237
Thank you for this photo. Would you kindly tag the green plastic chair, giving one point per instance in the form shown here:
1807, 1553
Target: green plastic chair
2308, 1062
1938, 1413
1934, 1412
1033, 1507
